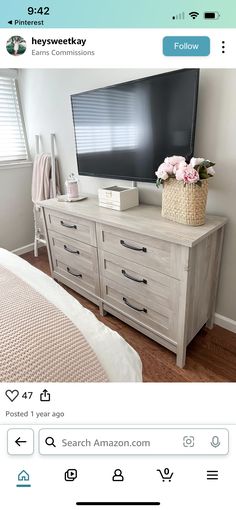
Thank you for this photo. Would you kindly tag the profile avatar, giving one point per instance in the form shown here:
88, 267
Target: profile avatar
118, 476
16, 45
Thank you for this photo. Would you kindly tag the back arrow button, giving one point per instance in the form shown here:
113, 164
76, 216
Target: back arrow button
19, 441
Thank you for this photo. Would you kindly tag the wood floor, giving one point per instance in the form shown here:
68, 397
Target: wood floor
211, 356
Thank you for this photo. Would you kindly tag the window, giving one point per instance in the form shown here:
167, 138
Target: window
13, 145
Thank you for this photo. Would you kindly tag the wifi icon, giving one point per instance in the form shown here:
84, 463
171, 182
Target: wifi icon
194, 14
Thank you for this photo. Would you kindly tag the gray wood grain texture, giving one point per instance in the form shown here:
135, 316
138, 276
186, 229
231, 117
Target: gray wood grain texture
144, 220
79, 229
180, 265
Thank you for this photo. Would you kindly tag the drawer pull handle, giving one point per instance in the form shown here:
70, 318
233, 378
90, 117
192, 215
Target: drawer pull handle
132, 247
134, 307
67, 226
132, 277
73, 274
76, 252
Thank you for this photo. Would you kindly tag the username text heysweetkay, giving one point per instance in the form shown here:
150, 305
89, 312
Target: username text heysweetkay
70, 41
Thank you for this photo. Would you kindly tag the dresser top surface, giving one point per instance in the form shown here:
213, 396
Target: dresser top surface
143, 219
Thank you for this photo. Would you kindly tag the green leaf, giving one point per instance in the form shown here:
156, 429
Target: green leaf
203, 173
159, 182
205, 164
208, 163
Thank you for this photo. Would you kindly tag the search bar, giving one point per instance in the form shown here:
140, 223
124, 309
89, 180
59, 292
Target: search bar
133, 441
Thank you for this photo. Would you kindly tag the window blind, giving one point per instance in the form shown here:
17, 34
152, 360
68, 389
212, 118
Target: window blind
12, 137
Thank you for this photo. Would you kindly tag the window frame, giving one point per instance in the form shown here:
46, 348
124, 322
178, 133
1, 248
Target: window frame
17, 162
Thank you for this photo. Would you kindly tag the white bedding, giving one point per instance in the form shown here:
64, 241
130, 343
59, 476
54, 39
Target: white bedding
120, 361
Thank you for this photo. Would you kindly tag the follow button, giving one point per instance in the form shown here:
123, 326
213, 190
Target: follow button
186, 46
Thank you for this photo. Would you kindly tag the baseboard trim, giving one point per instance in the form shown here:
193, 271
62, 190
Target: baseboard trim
26, 249
225, 322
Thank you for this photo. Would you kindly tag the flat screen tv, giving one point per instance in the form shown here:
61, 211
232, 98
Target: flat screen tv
125, 131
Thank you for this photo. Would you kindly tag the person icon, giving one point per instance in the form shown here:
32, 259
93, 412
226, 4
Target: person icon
118, 477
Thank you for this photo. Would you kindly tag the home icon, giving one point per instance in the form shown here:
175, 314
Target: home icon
23, 477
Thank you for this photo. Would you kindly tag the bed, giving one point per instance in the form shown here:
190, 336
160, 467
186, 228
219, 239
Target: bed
113, 358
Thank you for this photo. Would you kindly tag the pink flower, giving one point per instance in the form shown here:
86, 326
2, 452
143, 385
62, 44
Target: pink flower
210, 170
174, 160
164, 171
187, 174
196, 161
190, 175
180, 173
179, 166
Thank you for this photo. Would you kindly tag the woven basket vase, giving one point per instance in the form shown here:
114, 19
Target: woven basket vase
184, 204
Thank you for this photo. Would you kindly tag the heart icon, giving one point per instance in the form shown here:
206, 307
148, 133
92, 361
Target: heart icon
12, 394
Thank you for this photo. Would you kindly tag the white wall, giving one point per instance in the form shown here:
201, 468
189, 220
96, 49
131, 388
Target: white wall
216, 139
46, 103
16, 220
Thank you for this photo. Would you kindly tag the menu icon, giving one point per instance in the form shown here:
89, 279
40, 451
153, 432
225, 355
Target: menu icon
212, 475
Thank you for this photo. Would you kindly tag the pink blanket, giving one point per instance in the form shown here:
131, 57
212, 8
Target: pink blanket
38, 343
41, 178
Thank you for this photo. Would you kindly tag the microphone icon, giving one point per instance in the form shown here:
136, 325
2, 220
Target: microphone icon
215, 442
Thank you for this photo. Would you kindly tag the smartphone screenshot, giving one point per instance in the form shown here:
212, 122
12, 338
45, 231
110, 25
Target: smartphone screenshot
117, 255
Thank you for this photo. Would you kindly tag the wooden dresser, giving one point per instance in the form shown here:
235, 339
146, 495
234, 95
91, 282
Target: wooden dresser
158, 276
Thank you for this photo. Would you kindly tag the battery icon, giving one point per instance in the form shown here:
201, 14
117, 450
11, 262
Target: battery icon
211, 15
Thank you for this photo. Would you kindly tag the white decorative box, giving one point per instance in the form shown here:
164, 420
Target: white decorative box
118, 198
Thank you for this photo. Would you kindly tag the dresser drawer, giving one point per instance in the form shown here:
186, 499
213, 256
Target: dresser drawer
147, 312
76, 262
76, 228
146, 251
78, 277
158, 288
72, 252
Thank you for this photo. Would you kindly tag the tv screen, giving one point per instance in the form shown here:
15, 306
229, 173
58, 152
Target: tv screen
125, 131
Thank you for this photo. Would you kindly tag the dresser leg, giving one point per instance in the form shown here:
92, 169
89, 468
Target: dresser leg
101, 310
181, 357
210, 322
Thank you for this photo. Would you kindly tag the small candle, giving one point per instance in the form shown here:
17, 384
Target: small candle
72, 187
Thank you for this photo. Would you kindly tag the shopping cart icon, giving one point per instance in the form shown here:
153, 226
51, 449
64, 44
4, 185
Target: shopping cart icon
166, 475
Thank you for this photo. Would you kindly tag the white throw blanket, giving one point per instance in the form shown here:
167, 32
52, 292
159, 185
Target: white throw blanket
42, 188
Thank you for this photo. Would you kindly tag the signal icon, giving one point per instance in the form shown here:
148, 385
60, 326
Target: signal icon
194, 14
181, 15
